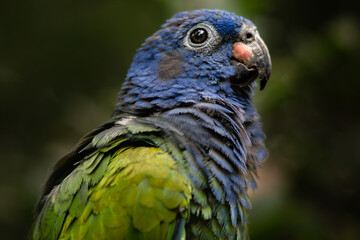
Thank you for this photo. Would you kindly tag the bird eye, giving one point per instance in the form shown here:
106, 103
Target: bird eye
198, 35
202, 37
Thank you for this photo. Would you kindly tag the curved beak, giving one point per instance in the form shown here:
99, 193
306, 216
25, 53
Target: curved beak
254, 55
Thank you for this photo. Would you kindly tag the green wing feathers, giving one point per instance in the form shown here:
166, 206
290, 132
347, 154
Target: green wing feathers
129, 193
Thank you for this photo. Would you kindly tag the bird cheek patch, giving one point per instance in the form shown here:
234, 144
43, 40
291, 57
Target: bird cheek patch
170, 66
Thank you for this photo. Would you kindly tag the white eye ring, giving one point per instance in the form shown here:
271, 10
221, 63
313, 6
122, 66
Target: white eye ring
213, 38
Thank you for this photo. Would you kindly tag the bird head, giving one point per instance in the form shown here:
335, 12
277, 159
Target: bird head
195, 56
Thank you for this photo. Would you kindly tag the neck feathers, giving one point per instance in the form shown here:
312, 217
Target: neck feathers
222, 145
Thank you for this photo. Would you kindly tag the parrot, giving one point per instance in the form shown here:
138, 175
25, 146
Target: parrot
182, 146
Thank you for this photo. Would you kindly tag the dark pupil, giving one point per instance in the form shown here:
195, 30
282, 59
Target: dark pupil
199, 35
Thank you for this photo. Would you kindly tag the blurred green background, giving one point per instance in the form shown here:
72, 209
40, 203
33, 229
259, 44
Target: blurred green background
63, 62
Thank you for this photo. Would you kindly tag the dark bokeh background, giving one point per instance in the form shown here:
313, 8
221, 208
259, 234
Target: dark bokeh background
63, 62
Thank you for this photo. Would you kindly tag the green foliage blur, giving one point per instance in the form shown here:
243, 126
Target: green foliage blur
63, 62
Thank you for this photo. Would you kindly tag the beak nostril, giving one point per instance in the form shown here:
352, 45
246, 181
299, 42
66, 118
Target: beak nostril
249, 35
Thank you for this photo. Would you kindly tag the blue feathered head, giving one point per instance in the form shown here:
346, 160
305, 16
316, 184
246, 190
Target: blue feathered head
195, 56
